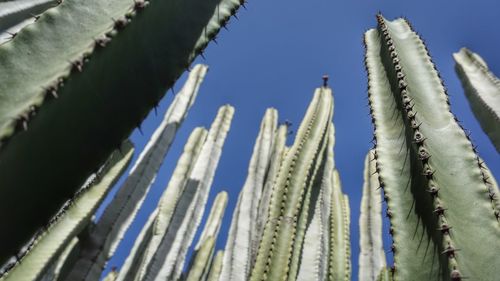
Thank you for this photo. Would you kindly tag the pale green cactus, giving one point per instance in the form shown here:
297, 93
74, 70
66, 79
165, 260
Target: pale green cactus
204, 249
238, 251
444, 219
52, 110
482, 89
371, 256
13, 13
160, 252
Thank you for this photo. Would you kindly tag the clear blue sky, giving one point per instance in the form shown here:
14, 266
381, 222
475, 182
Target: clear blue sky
275, 55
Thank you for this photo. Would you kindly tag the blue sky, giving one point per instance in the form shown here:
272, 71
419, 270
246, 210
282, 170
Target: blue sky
275, 55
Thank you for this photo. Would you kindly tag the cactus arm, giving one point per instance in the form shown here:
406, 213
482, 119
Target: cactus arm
238, 251
394, 165
371, 256
169, 257
69, 222
51, 51
340, 250
216, 267
448, 156
289, 190
153, 233
214, 220
482, 89
14, 12
201, 263
204, 249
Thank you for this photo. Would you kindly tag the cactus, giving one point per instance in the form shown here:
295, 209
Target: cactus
104, 236
204, 249
216, 267
371, 256
238, 253
300, 208
162, 247
42, 251
443, 213
77, 68
482, 89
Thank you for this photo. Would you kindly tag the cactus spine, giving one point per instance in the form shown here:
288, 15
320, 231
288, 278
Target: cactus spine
429, 198
482, 89
43, 250
371, 257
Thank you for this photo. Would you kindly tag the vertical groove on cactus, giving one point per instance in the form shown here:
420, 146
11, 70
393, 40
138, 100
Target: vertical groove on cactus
296, 171
148, 242
204, 249
315, 250
238, 251
482, 89
371, 256
451, 178
216, 267
43, 250
340, 249
111, 227
57, 269
277, 158
169, 258
49, 69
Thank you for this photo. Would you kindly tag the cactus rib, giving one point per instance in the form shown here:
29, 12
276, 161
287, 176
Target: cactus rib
14, 12
371, 256
482, 89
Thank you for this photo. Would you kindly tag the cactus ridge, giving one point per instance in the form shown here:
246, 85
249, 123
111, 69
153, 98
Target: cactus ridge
417, 88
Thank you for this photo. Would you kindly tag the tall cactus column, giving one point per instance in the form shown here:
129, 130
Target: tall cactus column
297, 171
443, 223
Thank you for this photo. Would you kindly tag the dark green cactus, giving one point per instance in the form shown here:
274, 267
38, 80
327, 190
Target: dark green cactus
76, 68
442, 209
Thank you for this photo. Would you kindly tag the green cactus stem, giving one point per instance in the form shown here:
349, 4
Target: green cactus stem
482, 89
290, 189
238, 251
163, 247
371, 255
70, 84
434, 184
44, 249
340, 249
204, 249
216, 267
